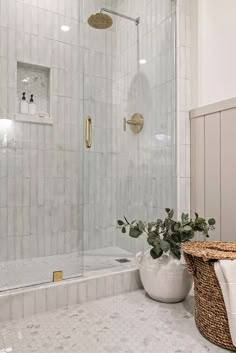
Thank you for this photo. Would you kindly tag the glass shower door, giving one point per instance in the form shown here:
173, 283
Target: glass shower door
101, 182
41, 154
129, 68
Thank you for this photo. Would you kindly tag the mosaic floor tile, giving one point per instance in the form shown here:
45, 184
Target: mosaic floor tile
130, 323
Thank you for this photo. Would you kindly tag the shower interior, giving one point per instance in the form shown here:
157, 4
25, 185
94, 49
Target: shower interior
64, 218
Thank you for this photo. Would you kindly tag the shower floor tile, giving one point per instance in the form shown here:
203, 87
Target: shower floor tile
130, 323
26, 272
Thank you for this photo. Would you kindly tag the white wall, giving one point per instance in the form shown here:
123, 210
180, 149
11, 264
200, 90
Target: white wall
213, 166
214, 52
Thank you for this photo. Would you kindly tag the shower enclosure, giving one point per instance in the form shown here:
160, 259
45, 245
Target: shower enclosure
83, 160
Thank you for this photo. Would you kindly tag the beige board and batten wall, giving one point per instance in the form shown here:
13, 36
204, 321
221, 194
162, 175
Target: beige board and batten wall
213, 165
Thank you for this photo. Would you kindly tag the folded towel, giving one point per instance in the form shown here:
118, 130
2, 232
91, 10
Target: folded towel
226, 273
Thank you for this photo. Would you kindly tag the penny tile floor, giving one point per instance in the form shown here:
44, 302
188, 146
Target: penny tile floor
130, 323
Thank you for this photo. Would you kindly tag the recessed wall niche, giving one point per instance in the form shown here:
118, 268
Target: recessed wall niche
33, 80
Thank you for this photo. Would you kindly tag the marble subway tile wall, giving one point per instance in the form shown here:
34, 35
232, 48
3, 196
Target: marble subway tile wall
40, 164
100, 162
144, 82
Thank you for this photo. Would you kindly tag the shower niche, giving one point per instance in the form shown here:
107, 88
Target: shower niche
33, 94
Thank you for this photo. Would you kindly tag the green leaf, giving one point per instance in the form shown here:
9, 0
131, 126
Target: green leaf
176, 252
187, 236
196, 215
120, 223
153, 238
187, 229
211, 222
156, 252
176, 237
134, 232
165, 246
141, 226
123, 230
185, 218
167, 210
199, 220
177, 226
151, 225
171, 214
191, 235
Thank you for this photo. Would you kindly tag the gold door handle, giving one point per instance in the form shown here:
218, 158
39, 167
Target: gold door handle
88, 128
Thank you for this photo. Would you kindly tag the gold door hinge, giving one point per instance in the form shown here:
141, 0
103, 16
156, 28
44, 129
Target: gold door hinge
57, 276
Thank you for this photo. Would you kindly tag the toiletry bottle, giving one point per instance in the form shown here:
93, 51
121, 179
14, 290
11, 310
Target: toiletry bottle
24, 107
32, 105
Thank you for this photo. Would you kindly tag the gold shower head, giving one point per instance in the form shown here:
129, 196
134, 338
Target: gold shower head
100, 21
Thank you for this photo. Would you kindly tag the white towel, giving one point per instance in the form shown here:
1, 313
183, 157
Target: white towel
226, 273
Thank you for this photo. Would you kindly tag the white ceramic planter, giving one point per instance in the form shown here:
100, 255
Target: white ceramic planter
165, 279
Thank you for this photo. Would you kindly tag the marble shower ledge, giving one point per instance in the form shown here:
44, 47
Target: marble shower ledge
34, 119
35, 271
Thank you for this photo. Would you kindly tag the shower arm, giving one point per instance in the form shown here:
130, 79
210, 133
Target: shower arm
136, 20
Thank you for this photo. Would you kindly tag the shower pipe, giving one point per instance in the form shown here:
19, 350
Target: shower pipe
136, 20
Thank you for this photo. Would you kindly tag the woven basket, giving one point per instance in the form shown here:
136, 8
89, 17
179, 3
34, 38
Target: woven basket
210, 312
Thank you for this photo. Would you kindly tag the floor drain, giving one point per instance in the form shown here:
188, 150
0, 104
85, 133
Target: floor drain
122, 261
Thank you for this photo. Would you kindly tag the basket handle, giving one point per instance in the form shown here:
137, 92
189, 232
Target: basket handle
190, 263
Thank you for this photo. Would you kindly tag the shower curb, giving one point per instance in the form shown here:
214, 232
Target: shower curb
25, 302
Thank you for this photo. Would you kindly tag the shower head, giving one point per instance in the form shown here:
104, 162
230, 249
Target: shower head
100, 21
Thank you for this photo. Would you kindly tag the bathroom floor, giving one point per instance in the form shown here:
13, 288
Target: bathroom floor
130, 323
18, 273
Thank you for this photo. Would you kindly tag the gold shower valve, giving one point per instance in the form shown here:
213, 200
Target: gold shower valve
136, 123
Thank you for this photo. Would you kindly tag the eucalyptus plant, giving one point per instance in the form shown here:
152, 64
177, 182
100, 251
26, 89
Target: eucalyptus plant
167, 235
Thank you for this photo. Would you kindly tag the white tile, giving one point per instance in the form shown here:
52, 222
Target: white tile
17, 306
61, 296
72, 293
29, 303
92, 289
3, 221
51, 298
101, 287
40, 300
118, 283
109, 285
127, 281
26, 221
5, 308
11, 248
135, 280
82, 292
